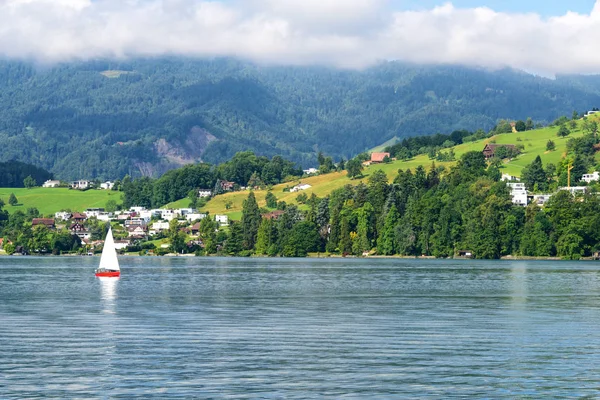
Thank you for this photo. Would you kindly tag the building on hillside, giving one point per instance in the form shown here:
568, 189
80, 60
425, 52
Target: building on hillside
227, 186
49, 222
575, 190
589, 178
63, 215
299, 188
51, 184
80, 230
587, 114
78, 217
310, 171
93, 212
122, 244
194, 217
541, 199
203, 193
518, 193
108, 185
274, 214
223, 220
80, 185
378, 158
509, 178
158, 227
135, 222
137, 232
490, 149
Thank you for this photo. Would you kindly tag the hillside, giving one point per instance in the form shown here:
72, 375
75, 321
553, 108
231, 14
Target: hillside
51, 200
104, 119
322, 185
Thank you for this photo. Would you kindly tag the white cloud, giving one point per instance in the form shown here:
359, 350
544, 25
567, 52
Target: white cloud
344, 33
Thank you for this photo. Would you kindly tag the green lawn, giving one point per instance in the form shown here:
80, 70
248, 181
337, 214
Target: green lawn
50, 200
322, 185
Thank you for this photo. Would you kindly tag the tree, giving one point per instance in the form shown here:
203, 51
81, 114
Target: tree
271, 200
12, 200
550, 146
534, 175
177, 237
267, 236
520, 126
575, 115
41, 239
251, 219
233, 243
29, 182
111, 206
388, 243
354, 168
529, 124
563, 131
193, 196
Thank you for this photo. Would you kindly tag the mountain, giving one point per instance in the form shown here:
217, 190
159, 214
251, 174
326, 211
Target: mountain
106, 119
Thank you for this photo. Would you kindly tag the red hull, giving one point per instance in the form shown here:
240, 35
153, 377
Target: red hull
112, 274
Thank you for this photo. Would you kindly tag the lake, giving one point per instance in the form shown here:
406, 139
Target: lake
279, 328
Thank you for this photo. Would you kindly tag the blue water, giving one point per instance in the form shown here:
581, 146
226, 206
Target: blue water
258, 328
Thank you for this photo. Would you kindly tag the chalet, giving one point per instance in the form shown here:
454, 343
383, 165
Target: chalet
195, 229
490, 149
274, 214
78, 217
227, 186
136, 232
49, 222
51, 184
80, 185
80, 230
378, 158
203, 193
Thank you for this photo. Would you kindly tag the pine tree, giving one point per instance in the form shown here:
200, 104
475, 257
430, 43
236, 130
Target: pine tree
271, 200
388, 243
267, 236
251, 219
345, 245
12, 200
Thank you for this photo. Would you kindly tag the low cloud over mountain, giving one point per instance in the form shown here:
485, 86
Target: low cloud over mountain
342, 33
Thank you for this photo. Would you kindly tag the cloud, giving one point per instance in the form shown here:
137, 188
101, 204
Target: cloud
342, 33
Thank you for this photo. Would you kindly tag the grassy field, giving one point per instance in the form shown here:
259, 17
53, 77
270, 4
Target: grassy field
50, 200
322, 185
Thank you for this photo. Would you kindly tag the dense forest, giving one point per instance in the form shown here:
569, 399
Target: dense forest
13, 174
108, 119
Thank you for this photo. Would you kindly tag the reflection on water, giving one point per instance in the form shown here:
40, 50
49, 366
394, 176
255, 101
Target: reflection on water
252, 328
108, 287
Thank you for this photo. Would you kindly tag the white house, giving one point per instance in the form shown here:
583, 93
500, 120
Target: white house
591, 113
108, 185
185, 211
169, 215
541, 199
591, 177
204, 193
519, 193
509, 178
51, 184
104, 216
574, 190
158, 227
137, 210
94, 212
299, 188
223, 220
310, 171
121, 244
81, 185
62, 216
194, 216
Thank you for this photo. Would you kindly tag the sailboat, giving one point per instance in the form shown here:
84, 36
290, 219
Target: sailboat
109, 264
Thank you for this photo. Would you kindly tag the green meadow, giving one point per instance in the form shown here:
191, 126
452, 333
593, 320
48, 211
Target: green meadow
51, 200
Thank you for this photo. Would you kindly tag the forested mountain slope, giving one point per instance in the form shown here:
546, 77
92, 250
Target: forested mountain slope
105, 119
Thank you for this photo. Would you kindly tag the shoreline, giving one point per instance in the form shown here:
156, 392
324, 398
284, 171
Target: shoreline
318, 256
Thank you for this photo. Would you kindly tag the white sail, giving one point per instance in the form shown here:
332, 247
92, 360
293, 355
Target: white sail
109, 260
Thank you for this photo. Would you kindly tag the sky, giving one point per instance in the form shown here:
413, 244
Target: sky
543, 37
